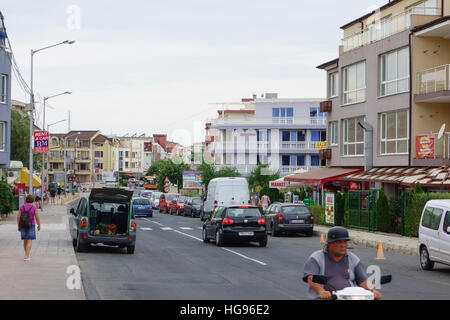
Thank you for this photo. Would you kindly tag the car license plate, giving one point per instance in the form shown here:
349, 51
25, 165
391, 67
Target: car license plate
297, 221
245, 233
141, 208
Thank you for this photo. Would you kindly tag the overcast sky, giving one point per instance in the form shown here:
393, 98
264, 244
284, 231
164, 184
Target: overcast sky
141, 66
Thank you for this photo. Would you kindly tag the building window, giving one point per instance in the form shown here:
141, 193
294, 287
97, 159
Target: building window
333, 130
2, 136
55, 142
334, 85
301, 135
353, 137
394, 132
282, 115
98, 154
264, 135
318, 135
262, 159
380, 29
395, 72
355, 83
3, 88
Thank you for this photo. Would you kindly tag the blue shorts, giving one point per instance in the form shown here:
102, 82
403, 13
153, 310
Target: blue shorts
28, 233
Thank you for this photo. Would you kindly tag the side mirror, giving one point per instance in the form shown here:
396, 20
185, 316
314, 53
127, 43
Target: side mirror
72, 211
385, 279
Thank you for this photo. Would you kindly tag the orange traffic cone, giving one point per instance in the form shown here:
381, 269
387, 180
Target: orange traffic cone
322, 240
380, 254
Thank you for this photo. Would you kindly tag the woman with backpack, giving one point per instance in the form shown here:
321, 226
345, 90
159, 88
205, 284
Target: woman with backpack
26, 223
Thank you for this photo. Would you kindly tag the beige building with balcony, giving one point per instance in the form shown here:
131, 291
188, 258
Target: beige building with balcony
392, 77
81, 156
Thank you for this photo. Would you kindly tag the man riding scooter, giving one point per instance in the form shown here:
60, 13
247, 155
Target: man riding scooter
342, 269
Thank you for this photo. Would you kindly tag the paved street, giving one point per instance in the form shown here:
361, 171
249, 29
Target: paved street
172, 262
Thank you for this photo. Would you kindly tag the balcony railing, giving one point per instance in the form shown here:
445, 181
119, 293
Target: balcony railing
299, 145
384, 28
428, 146
269, 121
292, 169
434, 79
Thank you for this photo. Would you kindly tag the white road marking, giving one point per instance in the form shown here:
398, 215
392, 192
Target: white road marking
159, 224
237, 253
166, 228
147, 229
186, 228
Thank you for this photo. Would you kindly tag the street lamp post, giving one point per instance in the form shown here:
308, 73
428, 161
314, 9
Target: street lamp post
33, 52
48, 129
43, 154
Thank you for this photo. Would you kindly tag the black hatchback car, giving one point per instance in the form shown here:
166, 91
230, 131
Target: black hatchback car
235, 224
289, 218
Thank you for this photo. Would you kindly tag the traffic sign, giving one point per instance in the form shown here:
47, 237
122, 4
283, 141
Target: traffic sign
166, 180
41, 142
166, 189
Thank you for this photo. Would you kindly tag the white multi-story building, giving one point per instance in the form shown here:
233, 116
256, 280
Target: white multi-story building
287, 134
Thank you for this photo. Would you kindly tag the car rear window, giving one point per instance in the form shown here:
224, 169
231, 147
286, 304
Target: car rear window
243, 212
181, 200
294, 210
197, 201
141, 202
170, 197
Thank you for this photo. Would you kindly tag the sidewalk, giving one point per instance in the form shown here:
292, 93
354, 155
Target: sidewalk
391, 242
44, 277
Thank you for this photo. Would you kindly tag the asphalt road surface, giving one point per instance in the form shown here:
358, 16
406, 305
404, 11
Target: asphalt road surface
171, 262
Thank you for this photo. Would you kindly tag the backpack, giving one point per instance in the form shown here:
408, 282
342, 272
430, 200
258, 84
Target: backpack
25, 220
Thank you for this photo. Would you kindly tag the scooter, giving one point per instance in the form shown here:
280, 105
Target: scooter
350, 293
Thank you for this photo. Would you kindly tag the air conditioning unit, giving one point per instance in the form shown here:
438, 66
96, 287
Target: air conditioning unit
325, 154
326, 106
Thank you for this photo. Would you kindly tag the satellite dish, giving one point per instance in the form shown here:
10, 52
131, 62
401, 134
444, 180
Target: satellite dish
441, 131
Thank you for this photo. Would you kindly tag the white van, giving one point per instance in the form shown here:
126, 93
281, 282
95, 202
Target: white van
225, 192
434, 234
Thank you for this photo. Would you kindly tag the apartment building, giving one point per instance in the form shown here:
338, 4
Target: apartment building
81, 156
136, 154
388, 92
5, 99
286, 134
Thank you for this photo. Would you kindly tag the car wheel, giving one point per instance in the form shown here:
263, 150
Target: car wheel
74, 242
309, 233
130, 249
205, 238
425, 261
80, 247
219, 239
263, 243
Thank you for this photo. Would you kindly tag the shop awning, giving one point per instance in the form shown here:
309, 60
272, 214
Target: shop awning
25, 178
426, 176
322, 175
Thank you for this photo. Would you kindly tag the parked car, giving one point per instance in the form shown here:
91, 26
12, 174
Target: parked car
106, 217
154, 199
289, 218
235, 223
146, 194
434, 234
176, 206
165, 199
193, 207
142, 207
225, 192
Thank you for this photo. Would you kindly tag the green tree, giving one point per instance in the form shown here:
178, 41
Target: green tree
6, 198
385, 219
208, 173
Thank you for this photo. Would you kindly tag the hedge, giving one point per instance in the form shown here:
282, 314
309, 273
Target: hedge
6, 198
318, 213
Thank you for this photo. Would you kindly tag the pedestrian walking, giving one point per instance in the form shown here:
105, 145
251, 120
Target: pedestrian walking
59, 191
265, 202
52, 196
47, 196
37, 197
27, 227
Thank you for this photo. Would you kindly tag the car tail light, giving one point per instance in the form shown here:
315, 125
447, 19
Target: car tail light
311, 218
243, 207
83, 223
262, 221
227, 221
215, 204
133, 226
150, 208
249, 202
279, 217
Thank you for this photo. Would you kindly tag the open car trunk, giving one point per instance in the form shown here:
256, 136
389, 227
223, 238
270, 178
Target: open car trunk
109, 219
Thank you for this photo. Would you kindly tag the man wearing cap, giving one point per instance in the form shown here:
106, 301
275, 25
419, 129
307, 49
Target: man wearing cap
343, 269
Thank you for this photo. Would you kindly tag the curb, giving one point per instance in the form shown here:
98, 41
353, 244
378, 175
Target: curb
371, 243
